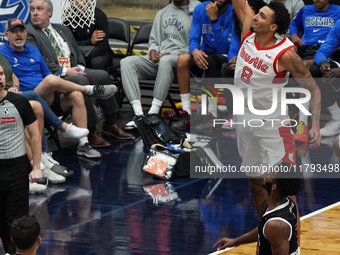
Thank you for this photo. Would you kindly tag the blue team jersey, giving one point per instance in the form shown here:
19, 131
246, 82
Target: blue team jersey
331, 43
315, 24
215, 37
29, 66
235, 42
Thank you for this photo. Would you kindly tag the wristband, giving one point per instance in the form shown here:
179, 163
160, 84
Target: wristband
213, 21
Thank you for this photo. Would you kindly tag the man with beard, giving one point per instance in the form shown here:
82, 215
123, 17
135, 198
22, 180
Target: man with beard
277, 232
62, 55
208, 41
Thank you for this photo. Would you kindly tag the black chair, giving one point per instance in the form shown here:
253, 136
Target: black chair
142, 37
119, 30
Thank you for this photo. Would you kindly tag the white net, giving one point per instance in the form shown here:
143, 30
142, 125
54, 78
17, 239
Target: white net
78, 13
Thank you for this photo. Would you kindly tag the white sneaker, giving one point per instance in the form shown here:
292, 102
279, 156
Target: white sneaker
48, 156
52, 176
331, 128
73, 131
37, 188
130, 125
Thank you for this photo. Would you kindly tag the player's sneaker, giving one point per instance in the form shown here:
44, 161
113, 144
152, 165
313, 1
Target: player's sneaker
331, 128
183, 122
302, 149
301, 134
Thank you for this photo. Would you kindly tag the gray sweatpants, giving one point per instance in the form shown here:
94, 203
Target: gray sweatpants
141, 67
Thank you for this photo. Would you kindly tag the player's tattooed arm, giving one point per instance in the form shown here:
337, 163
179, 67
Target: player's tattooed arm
290, 61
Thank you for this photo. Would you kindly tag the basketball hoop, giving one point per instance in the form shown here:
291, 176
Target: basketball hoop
77, 13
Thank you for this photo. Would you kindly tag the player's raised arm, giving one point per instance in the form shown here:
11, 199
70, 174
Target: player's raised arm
245, 14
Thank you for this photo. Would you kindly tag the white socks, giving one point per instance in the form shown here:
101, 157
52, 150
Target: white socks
155, 106
335, 112
186, 104
137, 107
303, 117
89, 89
83, 140
212, 107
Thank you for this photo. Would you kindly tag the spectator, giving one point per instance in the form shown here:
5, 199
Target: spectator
208, 41
169, 38
314, 22
25, 233
65, 50
20, 54
15, 169
276, 232
39, 106
100, 55
328, 61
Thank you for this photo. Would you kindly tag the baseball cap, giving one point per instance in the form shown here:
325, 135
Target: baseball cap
14, 22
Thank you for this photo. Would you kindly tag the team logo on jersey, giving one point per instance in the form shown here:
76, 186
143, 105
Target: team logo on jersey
10, 9
32, 60
206, 29
7, 119
270, 57
256, 62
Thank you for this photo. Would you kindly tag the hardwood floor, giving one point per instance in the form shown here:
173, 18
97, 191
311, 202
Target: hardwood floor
104, 209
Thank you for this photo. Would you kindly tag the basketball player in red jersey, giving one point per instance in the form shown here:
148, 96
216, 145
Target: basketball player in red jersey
265, 59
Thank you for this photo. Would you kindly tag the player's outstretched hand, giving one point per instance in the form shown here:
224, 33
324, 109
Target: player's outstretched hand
224, 243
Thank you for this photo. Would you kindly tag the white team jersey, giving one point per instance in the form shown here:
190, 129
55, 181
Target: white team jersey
256, 69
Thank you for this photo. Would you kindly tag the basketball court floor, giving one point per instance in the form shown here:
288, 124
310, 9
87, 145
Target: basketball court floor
104, 208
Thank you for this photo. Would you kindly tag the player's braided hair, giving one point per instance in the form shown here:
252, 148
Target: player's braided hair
281, 16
